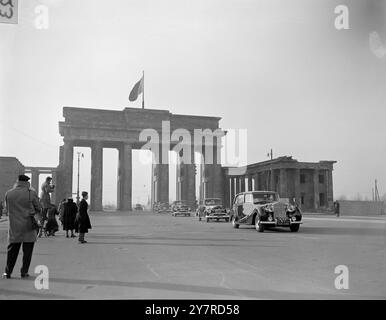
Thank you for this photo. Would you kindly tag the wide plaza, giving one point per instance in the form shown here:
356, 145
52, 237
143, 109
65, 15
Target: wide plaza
145, 255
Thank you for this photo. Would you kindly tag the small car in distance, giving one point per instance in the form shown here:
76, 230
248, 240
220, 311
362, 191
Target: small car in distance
138, 207
265, 210
180, 208
163, 208
212, 209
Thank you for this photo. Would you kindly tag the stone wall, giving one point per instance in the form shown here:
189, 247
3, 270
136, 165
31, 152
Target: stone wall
10, 169
361, 208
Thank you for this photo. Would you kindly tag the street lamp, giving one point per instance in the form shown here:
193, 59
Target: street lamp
80, 154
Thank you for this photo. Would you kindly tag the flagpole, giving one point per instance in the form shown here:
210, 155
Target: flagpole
143, 90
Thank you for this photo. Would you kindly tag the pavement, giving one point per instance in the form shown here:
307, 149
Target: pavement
144, 255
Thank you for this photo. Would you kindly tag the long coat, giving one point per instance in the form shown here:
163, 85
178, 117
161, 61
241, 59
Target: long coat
69, 215
83, 220
45, 198
21, 203
52, 224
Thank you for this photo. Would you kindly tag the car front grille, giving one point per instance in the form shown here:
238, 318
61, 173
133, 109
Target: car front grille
279, 210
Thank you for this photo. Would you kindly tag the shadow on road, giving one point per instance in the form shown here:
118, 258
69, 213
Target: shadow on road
240, 293
177, 244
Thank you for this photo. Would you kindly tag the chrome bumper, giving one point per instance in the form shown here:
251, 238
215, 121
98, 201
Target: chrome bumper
274, 223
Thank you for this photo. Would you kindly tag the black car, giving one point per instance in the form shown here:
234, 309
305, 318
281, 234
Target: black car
163, 208
180, 207
212, 209
265, 210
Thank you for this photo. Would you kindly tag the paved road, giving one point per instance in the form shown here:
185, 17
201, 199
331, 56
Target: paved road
150, 256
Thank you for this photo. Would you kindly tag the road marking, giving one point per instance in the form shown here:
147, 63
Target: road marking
148, 266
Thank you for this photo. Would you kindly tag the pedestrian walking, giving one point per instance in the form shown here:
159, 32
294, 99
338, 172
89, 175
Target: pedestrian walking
45, 200
21, 204
83, 220
69, 215
337, 208
52, 225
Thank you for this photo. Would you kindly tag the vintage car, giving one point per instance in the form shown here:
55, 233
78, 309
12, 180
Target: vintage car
163, 208
212, 209
264, 210
180, 207
138, 207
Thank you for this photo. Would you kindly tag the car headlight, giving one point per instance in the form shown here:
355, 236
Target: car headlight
293, 218
270, 218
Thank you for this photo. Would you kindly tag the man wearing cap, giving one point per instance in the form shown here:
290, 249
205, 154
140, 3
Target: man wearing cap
20, 202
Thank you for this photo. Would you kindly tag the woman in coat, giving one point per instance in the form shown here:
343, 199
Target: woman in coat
69, 216
52, 224
82, 219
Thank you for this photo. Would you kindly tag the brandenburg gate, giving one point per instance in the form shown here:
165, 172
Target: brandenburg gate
126, 130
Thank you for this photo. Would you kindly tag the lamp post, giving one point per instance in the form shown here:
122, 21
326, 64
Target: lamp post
80, 154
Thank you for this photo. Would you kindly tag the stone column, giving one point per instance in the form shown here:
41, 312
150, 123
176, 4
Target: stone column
250, 184
35, 180
330, 192
242, 183
316, 188
272, 186
160, 179
256, 177
187, 181
125, 178
283, 184
213, 175
297, 186
232, 195
237, 182
68, 158
96, 176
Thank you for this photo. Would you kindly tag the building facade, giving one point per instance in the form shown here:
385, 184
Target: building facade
309, 183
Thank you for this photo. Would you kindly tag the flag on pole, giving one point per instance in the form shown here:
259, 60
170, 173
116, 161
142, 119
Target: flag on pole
137, 90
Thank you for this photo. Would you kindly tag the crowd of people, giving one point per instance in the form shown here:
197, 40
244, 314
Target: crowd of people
31, 217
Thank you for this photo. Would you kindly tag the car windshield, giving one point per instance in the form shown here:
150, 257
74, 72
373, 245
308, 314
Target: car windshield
212, 202
265, 197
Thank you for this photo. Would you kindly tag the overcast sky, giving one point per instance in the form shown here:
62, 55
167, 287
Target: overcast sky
280, 69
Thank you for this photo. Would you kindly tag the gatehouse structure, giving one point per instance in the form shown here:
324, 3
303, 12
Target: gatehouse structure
310, 184
99, 129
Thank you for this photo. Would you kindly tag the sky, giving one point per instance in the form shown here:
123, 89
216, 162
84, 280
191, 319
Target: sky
280, 69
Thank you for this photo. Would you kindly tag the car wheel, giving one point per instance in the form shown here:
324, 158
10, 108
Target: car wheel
199, 218
234, 223
259, 226
207, 219
294, 227
227, 220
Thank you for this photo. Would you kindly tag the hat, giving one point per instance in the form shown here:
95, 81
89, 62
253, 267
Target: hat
23, 177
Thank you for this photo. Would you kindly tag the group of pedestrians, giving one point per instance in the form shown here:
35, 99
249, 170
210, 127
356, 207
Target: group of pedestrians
75, 219
23, 205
